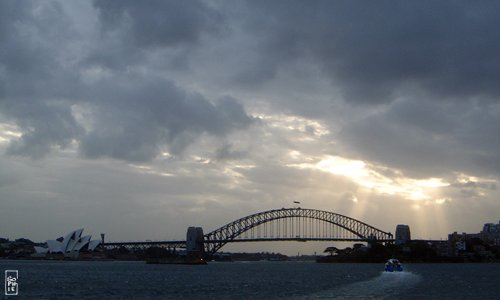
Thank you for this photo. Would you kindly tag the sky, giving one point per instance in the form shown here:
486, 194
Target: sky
141, 118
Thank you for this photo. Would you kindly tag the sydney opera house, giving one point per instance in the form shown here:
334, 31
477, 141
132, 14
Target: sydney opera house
70, 246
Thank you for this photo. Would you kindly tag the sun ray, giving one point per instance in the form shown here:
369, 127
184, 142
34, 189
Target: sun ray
368, 176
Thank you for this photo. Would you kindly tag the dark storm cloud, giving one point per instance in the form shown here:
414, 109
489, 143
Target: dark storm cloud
431, 68
44, 126
131, 30
403, 145
373, 50
429, 65
48, 70
427, 137
135, 116
32, 79
408, 87
158, 23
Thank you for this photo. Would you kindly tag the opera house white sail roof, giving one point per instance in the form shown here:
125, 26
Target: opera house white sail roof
71, 245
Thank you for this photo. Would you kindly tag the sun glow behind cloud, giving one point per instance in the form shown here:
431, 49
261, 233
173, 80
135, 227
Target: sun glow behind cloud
9, 132
368, 177
297, 124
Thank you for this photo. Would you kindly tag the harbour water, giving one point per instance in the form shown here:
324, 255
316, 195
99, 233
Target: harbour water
251, 280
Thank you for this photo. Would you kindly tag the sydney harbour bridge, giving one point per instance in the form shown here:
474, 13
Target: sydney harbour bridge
285, 224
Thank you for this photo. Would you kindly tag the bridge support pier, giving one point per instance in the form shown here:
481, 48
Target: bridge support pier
195, 247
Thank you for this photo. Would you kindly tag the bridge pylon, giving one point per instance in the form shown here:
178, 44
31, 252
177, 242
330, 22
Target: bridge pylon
195, 242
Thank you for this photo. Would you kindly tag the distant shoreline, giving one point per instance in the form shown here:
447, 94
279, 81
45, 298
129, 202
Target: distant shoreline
322, 259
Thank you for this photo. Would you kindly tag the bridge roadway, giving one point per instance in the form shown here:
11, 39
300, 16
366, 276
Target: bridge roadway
285, 224
143, 244
182, 244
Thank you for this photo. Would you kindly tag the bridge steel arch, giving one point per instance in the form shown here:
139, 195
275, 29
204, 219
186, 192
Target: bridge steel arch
216, 239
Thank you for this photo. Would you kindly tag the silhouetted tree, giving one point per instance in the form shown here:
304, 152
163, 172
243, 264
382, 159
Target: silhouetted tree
331, 250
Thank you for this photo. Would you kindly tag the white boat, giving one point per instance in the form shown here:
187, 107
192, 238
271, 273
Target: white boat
393, 265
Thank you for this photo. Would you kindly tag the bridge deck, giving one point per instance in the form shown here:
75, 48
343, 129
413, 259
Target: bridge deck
176, 244
296, 240
182, 244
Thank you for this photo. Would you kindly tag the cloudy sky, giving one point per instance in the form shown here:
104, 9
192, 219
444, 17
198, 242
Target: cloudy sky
140, 118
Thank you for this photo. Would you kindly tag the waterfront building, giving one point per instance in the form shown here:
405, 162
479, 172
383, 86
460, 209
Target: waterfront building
491, 233
459, 244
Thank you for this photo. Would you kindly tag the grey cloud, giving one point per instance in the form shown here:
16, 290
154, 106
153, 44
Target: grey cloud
131, 30
430, 67
159, 23
32, 78
443, 53
128, 80
43, 126
45, 74
135, 116
470, 189
21, 50
226, 152
424, 137
35, 37
474, 185
373, 51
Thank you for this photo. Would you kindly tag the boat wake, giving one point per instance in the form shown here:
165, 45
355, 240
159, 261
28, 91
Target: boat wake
385, 286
